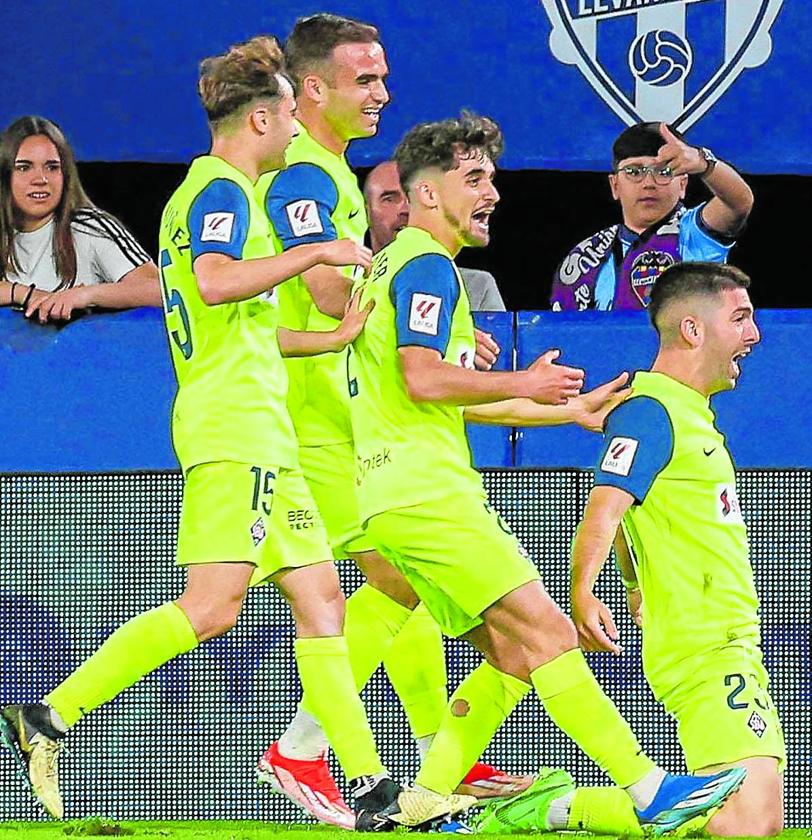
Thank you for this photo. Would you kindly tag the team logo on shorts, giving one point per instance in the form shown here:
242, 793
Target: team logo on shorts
258, 531
662, 64
757, 724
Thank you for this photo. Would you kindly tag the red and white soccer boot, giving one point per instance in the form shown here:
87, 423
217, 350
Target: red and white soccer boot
486, 782
309, 784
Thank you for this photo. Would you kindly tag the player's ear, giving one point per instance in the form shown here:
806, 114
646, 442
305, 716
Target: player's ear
260, 119
692, 330
425, 193
313, 87
613, 185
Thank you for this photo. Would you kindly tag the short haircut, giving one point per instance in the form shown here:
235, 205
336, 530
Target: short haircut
314, 38
687, 279
245, 73
641, 140
439, 144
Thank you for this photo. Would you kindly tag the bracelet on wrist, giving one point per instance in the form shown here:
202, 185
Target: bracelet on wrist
24, 304
14, 305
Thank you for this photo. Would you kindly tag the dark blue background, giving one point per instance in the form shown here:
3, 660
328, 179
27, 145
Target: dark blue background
120, 77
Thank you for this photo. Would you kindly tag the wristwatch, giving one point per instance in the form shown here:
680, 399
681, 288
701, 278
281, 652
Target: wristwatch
710, 159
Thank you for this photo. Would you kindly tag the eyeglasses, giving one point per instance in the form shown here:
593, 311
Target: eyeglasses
636, 173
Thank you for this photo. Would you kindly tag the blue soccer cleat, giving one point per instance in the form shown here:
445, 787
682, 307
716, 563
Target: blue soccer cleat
680, 798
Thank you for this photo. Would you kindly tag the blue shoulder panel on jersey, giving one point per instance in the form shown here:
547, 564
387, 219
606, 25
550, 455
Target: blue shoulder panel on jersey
698, 243
424, 293
639, 442
218, 220
299, 204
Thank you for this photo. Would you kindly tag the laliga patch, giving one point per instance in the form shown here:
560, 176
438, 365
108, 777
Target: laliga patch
424, 313
217, 227
620, 456
304, 217
757, 724
728, 508
258, 531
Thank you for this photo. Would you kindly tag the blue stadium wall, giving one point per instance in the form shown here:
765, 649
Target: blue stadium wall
89, 504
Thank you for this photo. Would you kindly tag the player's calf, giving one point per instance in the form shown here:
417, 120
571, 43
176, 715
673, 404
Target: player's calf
757, 808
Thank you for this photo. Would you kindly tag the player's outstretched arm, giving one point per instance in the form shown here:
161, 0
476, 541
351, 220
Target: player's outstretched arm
590, 548
430, 379
310, 343
588, 410
222, 279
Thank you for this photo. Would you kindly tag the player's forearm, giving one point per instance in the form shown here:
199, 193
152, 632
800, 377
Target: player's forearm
294, 343
734, 200
451, 385
520, 412
6, 290
139, 287
625, 563
228, 280
590, 549
329, 288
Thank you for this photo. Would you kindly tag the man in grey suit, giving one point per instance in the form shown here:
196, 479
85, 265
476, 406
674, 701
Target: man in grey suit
388, 211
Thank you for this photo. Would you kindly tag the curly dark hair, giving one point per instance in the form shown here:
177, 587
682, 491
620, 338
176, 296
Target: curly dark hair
440, 144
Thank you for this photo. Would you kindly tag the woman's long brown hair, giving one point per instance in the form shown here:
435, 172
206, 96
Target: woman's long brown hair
73, 197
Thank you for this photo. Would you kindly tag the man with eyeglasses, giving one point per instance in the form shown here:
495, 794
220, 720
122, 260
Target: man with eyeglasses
616, 268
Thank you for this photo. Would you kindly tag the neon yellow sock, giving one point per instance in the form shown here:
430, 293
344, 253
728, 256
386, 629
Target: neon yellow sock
577, 705
371, 623
476, 710
324, 669
415, 665
603, 810
134, 650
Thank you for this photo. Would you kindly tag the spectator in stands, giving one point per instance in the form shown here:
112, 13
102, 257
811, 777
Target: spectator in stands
616, 268
58, 252
388, 210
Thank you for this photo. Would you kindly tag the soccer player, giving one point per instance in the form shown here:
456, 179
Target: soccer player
665, 485
340, 69
424, 505
232, 434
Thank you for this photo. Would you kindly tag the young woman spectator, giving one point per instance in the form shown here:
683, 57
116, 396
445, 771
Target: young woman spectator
58, 252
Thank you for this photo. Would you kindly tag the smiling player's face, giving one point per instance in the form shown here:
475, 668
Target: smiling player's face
468, 196
356, 89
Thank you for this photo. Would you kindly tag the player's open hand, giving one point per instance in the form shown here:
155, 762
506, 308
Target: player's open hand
678, 156
342, 252
487, 350
550, 383
594, 623
354, 319
593, 407
58, 306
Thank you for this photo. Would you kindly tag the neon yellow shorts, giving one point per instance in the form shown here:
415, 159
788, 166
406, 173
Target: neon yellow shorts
248, 513
458, 554
724, 711
330, 474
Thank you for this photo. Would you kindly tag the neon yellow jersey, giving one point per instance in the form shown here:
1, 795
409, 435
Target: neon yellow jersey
232, 383
410, 453
686, 528
315, 199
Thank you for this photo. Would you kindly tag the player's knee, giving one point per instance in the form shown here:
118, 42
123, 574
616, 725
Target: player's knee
212, 623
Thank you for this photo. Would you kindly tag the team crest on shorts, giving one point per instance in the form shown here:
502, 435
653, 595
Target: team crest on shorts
757, 724
666, 51
258, 531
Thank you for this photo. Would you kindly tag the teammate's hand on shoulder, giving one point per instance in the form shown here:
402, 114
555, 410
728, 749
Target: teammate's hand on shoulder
594, 623
593, 407
487, 350
678, 156
550, 383
354, 319
341, 252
